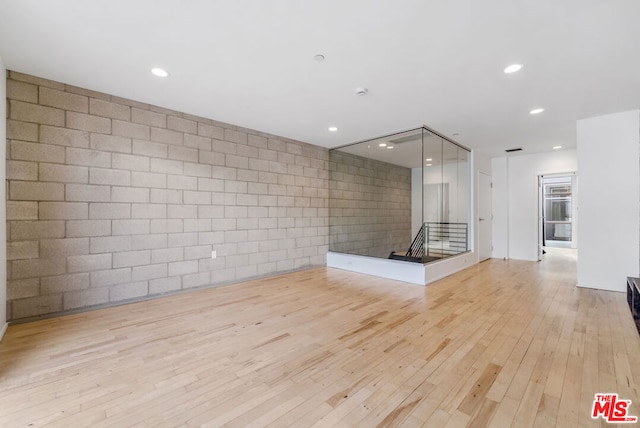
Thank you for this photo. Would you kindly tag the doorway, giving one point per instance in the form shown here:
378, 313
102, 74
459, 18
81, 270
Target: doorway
557, 212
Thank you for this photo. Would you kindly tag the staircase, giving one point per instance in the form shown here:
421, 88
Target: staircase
434, 241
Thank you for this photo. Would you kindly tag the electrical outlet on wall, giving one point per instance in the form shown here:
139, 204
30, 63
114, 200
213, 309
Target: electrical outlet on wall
214, 254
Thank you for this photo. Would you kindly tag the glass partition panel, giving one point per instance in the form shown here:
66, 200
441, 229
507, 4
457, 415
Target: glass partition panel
370, 195
435, 195
403, 196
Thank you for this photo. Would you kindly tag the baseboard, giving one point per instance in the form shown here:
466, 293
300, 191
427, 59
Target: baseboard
3, 330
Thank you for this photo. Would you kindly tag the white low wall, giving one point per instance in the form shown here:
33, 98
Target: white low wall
445, 267
414, 273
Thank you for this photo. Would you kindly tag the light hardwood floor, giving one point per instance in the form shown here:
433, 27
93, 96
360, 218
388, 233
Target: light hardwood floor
504, 343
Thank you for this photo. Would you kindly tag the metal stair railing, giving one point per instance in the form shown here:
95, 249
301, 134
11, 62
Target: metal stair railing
416, 249
446, 239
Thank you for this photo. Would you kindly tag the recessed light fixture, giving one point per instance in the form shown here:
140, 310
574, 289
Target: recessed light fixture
429, 164
512, 68
382, 144
160, 72
318, 57
333, 128
557, 147
362, 91
428, 159
536, 111
390, 147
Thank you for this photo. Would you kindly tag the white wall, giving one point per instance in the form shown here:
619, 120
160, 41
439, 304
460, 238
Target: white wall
500, 232
609, 180
515, 200
447, 174
479, 162
3, 199
458, 184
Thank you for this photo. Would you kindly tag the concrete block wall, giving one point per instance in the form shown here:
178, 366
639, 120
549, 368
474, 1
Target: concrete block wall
369, 206
110, 200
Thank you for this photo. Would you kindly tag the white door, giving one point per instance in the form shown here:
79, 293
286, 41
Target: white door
484, 216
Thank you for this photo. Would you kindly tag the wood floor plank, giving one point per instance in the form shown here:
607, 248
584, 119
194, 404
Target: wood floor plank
503, 343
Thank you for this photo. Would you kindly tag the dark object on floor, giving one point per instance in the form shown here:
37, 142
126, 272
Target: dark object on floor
633, 299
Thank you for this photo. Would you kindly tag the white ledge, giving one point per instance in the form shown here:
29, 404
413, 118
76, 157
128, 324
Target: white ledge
414, 273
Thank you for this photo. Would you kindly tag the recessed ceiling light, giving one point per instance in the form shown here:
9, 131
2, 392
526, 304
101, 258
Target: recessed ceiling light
428, 159
389, 147
318, 57
429, 164
557, 147
536, 111
333, 128
160, 72
361, 91
382, 144
512, 68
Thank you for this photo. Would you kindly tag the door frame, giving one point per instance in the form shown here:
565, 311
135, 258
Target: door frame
540, 205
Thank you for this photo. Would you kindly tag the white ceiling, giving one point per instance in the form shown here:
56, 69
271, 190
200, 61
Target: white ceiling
439, 63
